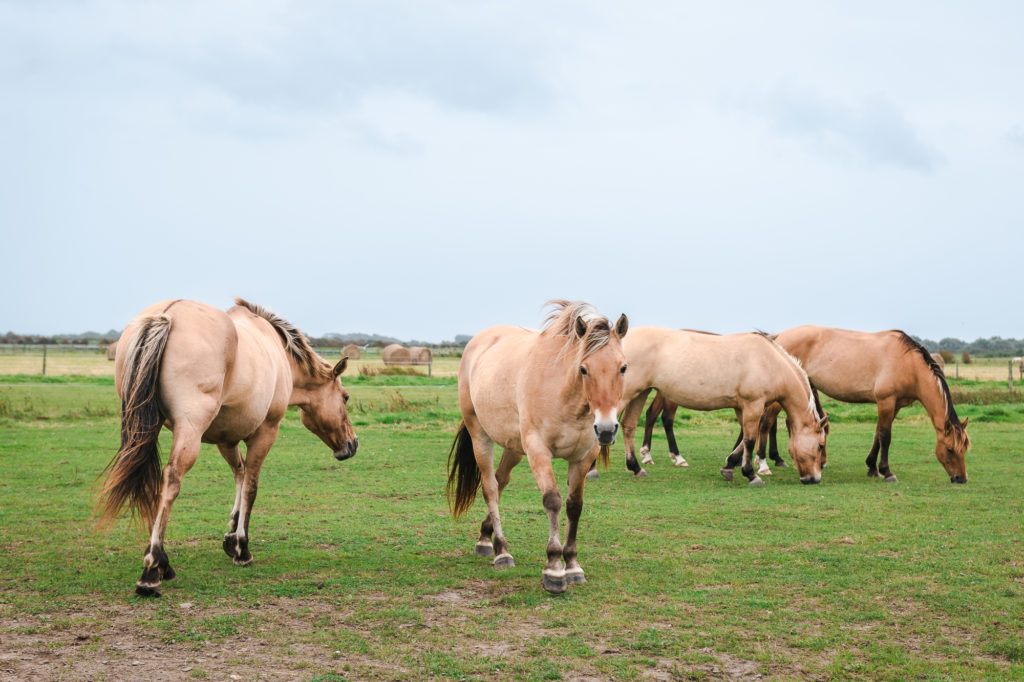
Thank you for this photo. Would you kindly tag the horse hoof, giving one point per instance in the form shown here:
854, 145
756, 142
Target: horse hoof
574, 576
147, 589
554, 581
483, 549
504, 561
640, 474
168, 574
891, 478
593, 474
764, 472
873, 473
784, 463
230, 544
242, 561
681, 462
647, 459
726, 474
756, 481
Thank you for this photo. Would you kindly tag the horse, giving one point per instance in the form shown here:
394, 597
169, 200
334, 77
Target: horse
746, 372
889, 369
214, 377
542, 394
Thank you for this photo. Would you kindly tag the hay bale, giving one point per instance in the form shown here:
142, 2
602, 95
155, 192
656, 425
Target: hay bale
420, 356
395, 354
111, 350
939, 361
352, 351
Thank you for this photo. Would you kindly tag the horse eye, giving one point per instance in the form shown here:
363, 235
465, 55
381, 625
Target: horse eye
346, 400
583, 370
622, 370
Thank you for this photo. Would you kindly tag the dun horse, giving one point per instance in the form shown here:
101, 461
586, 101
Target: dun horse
887, 368
212, 377
546, 394
746, 372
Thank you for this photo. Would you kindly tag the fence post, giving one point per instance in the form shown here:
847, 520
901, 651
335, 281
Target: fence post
1009, 368
430, 368
44, 359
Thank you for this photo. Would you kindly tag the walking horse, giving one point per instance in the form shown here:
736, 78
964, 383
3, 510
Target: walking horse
546, 395
214, 377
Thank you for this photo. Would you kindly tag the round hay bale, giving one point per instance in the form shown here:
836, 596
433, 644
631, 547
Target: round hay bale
420, 355
352, 351
395, 354
111, 350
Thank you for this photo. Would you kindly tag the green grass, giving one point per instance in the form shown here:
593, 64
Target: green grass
361, 573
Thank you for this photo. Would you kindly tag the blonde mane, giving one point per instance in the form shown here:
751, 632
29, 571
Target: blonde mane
295, 342
561, 321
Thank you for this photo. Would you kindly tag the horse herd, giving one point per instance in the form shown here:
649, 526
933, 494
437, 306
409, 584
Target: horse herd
227, 377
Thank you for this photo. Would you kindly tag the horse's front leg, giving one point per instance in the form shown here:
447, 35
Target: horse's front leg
630, 418
886, 415
573, 509
668, 421
539, 457
155, 564
236, 544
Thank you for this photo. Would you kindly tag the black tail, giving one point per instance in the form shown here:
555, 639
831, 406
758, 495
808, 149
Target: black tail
134, 475
463, 473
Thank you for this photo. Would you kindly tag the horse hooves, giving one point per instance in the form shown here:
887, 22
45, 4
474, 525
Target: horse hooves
504, 561
891, 478
681, 462
756, 481
593, 474
640, 474
554, 582
229, 545
873, 473
574, 576
764, 472
782, 463
726, 474
483, 549
242, 561
647, 459
168, 574
147, 589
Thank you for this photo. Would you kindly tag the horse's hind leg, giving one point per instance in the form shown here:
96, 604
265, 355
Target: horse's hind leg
650, 419
232, 454
630, 418
155, 564
668, 421
236, 544
750, 419
485, 545
768, 421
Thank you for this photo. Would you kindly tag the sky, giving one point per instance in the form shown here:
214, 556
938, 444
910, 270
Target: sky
424, 169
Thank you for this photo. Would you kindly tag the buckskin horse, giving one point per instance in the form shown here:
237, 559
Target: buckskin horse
211, 377
891, 370
546, 395
746, 372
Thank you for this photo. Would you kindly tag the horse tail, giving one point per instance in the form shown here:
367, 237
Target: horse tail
134, 474
463, 473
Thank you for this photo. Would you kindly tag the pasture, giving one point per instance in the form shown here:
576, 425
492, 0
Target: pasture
360, 572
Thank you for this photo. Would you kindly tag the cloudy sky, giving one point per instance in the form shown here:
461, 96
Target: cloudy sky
424, 169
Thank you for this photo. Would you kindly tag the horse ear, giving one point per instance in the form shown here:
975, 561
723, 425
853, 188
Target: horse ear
963, 424
581, 327
823, 422
340, 367
622, 325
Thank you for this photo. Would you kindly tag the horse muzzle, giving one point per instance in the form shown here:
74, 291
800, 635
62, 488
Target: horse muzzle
958, 479
811, 480
348, 451
606, 432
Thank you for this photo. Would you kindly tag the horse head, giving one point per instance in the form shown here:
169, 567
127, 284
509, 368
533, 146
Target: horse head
325, 414
807, 447
602, 372
951, 450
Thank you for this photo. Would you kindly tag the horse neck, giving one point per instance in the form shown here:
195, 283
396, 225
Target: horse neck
302, 383
797, 400
932, 396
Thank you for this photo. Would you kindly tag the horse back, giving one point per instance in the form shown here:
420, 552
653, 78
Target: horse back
489, 376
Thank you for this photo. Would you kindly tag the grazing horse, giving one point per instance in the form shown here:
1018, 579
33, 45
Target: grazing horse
891, 370
746, 372
546, 394
212, 377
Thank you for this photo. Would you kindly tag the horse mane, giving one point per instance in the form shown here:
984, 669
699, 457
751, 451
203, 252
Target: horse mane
561, 321
295, 342
913, 347
813, 405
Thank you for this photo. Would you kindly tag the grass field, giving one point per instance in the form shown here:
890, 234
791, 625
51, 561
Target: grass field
361, 573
